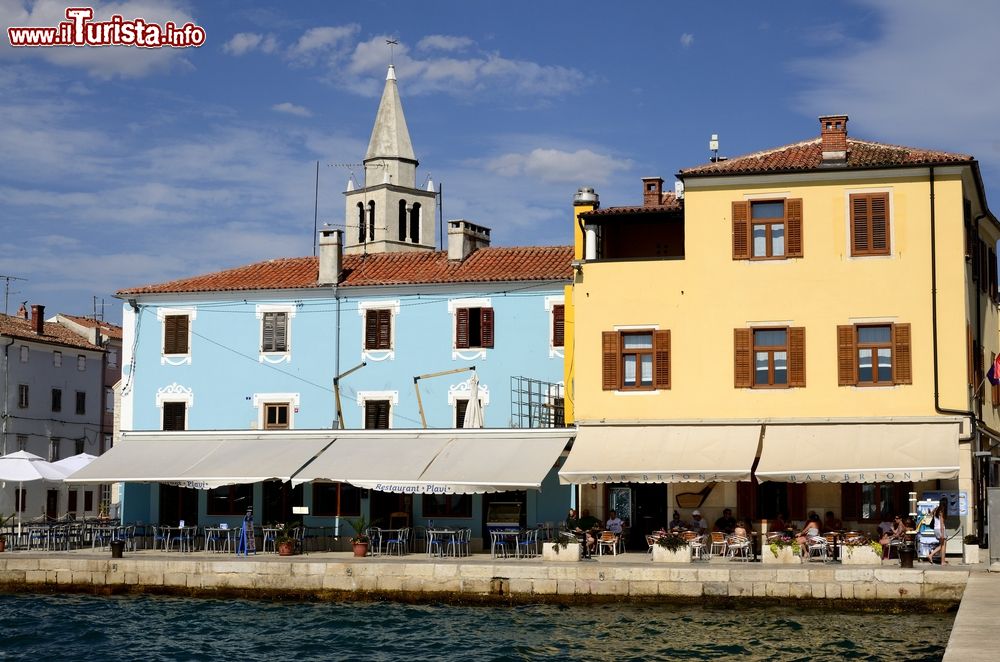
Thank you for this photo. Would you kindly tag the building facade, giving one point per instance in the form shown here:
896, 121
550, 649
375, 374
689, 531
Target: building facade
808, 329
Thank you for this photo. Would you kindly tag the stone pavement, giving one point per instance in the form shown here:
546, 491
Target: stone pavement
974, 635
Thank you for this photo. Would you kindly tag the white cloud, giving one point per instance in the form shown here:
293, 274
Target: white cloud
316, 41
440, 42
292, 109
99, 62
244, 42
687, 39
558, 166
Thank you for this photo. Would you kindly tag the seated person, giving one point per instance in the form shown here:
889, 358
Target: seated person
831, 523
588, 521
726, 523
572, 521
778, 523
697, 523
897, 533
810, 530
676, 522
742, 528
614, 523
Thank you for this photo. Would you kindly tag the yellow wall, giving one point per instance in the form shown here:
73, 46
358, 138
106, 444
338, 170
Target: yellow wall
703, 297
570, 319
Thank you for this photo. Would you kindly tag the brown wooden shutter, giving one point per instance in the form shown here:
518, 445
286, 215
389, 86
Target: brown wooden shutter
462, 328
902, 365
376, 414
385, 329
793, 227
267, 334
280, 332
984, 272
991, 264
383, 415
859, 225
371, 329
742, 358
558, 325
741, 230
173, 415
610, 343
878, 209
746, 499
661, 359
486, 326
796, 494
847, 356
175, 329
797, 356
850, 502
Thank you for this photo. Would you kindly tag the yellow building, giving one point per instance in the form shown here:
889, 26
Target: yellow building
820, 315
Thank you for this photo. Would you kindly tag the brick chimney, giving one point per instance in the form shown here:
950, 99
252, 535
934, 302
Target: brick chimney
652, 191
38, 319
833, 137
465, 238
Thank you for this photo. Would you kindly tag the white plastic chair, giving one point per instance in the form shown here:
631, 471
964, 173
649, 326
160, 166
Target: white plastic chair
738, 547
608, 540
817, 547
718, 546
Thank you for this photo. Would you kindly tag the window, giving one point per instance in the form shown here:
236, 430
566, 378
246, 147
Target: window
230, 499
870, 224
378, 328
874, 502
402, 220
81, 403
24, 353
769, 357
331, 499
113, 357
276, 416
447, 505
473, 328
274, 336
79, 445
175, 334
415, 223
174, 416
109, 400
874, 355
57, 399
57, 359
559, 325
81, 362
88, 500
22, 442
361, 223
54, 444
22, 396
462, 406
72, 501
636, 360
767, 229
371, 220
20, 496
377, 414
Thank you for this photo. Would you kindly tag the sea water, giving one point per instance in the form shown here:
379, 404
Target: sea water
71, 627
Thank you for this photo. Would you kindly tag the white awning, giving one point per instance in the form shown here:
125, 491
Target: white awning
439, 461
204, 460
859, 452
661, 454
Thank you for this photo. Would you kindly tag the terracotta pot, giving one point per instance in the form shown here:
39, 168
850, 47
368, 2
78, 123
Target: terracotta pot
3, 544
360, 548
286, 548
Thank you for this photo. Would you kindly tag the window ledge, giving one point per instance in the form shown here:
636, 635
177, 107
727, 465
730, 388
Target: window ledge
637, 392
274, 357
468, 354
175, 359
378, 355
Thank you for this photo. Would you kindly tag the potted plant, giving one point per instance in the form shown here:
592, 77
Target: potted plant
566, 547
284, 539
970, 549
782, 549
860, 550
360, 539
671, 548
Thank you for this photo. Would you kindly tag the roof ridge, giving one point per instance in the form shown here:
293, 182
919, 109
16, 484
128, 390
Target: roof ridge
759, 153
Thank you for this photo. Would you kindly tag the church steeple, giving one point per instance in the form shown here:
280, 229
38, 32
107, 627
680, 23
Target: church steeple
390, 151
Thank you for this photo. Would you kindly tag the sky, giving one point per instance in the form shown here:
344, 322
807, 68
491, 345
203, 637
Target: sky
122, 166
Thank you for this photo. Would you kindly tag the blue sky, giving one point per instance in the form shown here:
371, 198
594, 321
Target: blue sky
124, 166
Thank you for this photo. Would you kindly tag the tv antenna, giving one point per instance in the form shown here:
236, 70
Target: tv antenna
6, 290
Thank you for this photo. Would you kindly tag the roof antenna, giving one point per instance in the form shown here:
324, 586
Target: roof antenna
390, 43
713, 145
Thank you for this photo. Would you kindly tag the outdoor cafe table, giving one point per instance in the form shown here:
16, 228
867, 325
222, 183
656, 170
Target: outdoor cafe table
221, 537
441, 538
503, 538
187, 543
385, 535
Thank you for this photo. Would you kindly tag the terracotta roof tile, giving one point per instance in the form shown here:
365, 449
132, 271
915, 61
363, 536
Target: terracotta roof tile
55, 334
808, 155
108, 329
486, 265
668, 203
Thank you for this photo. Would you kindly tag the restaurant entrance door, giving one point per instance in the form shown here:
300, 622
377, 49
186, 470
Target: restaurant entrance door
390, 510
651, 511
178, 503
278, 499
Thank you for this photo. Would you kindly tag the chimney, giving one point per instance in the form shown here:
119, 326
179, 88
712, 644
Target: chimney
652, 191
331, 256
465, 238
586, 196
38, 319
22, 312
833, 138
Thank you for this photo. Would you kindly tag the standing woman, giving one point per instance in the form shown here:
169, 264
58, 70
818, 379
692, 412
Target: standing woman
937, 521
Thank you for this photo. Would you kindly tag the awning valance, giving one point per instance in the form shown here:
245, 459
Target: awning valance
859, 452
203, 460
661, 454
440, 462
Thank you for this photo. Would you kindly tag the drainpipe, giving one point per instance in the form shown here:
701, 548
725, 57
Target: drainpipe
6, 393
973, 418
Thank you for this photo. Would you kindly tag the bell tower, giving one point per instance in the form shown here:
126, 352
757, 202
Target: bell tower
389, 213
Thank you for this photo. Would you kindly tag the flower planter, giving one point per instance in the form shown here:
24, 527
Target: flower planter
859, 555
970, 554
286, 548
360, 548
663, 555
786, 555
552, 551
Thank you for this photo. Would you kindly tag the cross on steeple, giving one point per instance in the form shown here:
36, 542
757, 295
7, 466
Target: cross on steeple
390, 43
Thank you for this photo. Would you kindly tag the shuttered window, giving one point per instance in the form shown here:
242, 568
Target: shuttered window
994, 388
767, 229
175, 334
274, 332
769, 357
635, 360
869, 224
473, 328
992, 279
173, 416
874, 355
378, 328
376, 414
558, 325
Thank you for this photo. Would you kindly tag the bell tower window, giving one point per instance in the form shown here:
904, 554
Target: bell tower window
415, 223
402, 220
361, 223
371, 220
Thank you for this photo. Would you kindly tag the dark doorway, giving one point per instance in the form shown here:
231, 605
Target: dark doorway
278, 499
651, 512
178, 503
505, 514
385, 509
52, 504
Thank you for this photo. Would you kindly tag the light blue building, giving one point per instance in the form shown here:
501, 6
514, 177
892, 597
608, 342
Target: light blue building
379, 331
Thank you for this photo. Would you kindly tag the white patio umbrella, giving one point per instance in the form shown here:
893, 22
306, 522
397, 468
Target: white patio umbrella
71, 465
474, 410
24, 467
